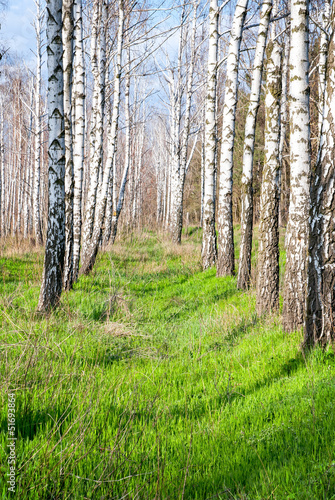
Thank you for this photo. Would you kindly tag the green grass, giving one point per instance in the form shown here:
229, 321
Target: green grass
157, 380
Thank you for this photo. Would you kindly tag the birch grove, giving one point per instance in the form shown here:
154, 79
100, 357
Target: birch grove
215, 117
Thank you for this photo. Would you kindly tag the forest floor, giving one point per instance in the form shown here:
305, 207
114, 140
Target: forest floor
155, 380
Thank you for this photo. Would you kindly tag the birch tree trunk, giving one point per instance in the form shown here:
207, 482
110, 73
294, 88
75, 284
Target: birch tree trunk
244, 268
90, 253
67, 65
324, 42
183, 138
297, 227
4, 186
226, 262
112, 224
267, 298
78, 118
1, 173
98, 61
209, 249
320, 303
38, 128
283, 131
28, 167
55, 242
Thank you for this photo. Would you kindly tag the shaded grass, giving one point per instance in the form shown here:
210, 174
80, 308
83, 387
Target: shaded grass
157, 380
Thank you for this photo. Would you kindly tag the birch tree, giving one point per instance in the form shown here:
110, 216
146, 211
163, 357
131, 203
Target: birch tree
67, 65
38, 126
91, 250
225, 262
324, 41
267, 297
180, 132
55, 242
320, 303
78, 120
209, 249
297, 227
244, 268
98, 62
114, 209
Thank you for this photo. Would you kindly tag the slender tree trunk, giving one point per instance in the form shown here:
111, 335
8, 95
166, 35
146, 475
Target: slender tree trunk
1, 173
177, 222
226, 261
4, 185
67, 65
268, 248
324, 42
27, 181
90, 254
38, 129
244, 268
209, 250
320, 310
98, 61
112, 221
78, 118
283, 131
297, 227
51, 288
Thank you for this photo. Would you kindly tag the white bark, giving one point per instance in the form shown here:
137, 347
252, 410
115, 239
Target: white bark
27, 207
297, 227
78, 118
225, 262
209, 250
90, 252
67, 35
2, 174
244, 267
320, 303
283, 132
181, 131
267, 297
98, 61
324, 42
55, 242
38, 128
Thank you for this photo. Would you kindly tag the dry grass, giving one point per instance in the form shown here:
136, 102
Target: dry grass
15, 246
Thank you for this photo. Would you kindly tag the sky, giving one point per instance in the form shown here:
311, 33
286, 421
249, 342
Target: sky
17, 32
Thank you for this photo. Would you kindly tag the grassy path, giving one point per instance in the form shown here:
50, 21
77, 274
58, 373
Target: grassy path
155, 380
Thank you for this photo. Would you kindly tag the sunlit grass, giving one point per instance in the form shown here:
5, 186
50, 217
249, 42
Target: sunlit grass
157, 380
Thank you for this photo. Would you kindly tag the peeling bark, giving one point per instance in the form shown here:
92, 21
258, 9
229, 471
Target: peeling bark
320, 297
226, 260
297, 227
267, 295
51, 288
209, 249
69, 181
244, 268
91, 250
78, 118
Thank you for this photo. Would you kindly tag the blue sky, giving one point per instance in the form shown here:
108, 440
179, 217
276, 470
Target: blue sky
17, 32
